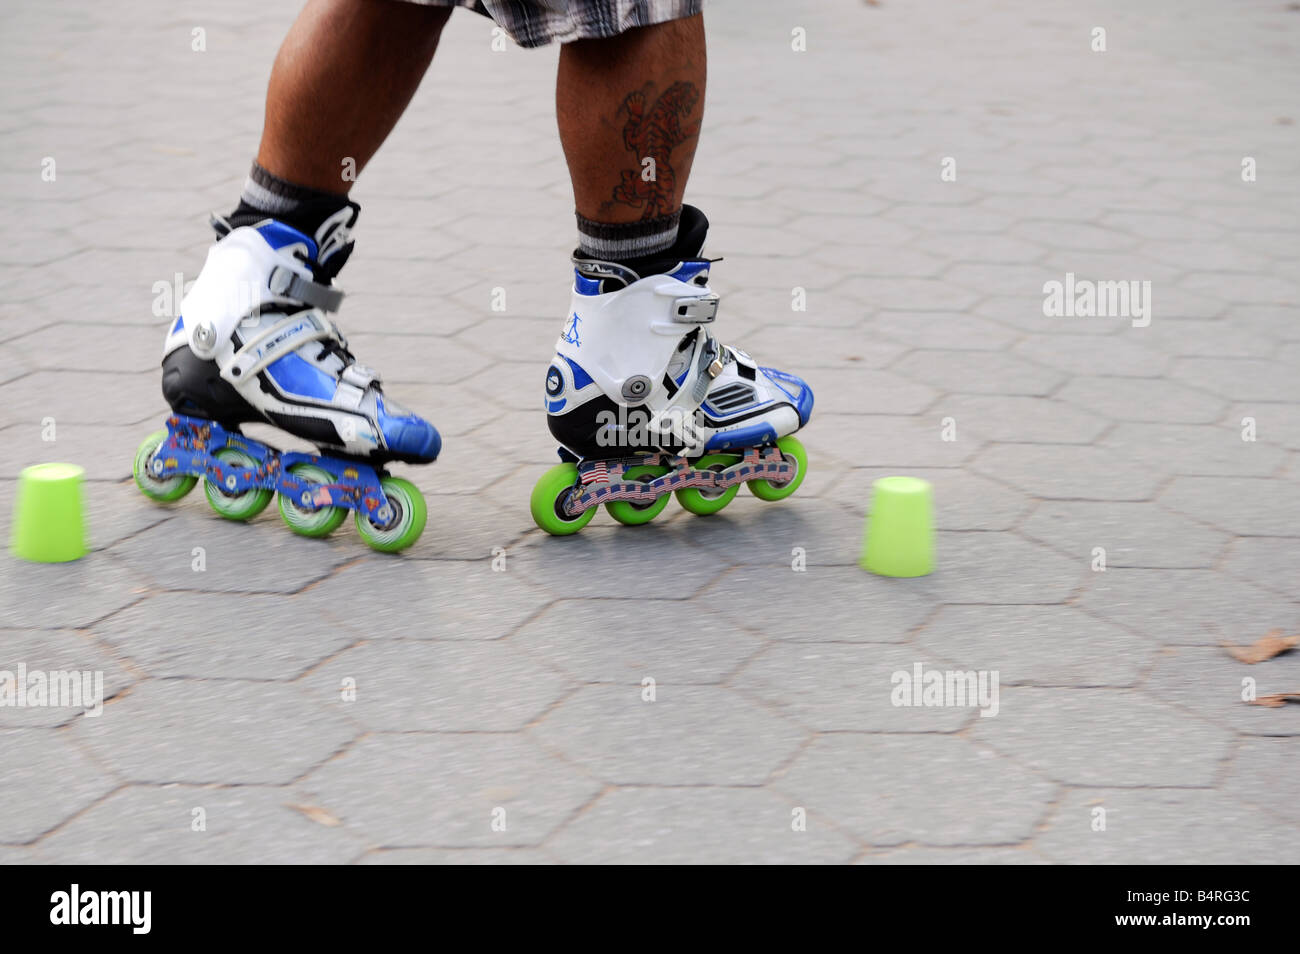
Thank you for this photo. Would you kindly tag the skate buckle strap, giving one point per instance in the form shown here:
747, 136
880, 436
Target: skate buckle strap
678, 413
695, 311
287, 283
287, 335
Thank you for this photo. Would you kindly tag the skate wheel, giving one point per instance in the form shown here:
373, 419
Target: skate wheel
547, 502
790, 446
165, 489
634, 514
320, 522
705, 502
236, 506
407, 523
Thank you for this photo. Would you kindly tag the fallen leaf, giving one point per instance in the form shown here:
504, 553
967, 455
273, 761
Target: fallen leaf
1277, 700
318, 815
1266, 647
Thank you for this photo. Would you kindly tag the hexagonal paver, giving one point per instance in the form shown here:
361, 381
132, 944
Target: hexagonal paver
1120, 355
688, 825
1249, 506
1210, 683
46, 780
458, 856
65, 595
822, 603
273, 637
262, 556
998, 568
691, 735
1104, 737
1132, 534
426, 686
832, 687
443, 790
214, 731
977, 372
141, 823
928, 329
1263, 774
1188, 607
1067, 472
620, 641
890, 789
1142, 399
1036, 645
1162, 826
1019, 419
889, 441
1196, 449
962, 500
42, 653
1272, 562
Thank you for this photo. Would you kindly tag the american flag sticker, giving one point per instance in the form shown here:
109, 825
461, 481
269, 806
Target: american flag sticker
598, 472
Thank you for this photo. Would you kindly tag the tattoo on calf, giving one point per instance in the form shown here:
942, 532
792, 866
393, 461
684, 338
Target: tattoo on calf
653, 131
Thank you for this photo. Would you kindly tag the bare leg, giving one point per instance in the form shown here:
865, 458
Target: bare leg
343, 77
629, 110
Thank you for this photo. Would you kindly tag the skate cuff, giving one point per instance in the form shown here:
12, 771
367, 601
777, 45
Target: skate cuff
287, 283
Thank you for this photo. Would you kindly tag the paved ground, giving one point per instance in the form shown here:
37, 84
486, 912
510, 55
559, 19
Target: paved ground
521, 689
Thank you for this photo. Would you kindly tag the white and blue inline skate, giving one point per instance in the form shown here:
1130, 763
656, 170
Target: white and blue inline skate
254, 343
645, 402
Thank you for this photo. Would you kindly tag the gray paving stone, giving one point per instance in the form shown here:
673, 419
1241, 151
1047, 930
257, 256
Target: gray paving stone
1142, 399
213, 732
1105, 737
139, 824
442, 790
47, 652
458, 856
693, 825
873, 392
998, 568
977, 372
46, 781
620, 641
690, 735
1120, 355
1164, 827
1246, 506
443, 686
1193, 449
888, 441
1132, 534
834, 687
822, 603
64, 595
1067, 472
1272, 562
889, 790
1188, 607
1036, 645
1210, 683
1020, 419
1263, 774
929, 329
923, 855
194, 635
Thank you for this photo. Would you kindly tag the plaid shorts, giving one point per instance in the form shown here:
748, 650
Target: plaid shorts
538, 22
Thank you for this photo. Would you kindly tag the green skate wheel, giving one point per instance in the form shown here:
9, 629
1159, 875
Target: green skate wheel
320, 522
232, 506
547, 502
705, 502
634, 514
790, 446
164, 489
409, 515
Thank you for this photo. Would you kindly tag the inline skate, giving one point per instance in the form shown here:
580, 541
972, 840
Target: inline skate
254, 343
645, 402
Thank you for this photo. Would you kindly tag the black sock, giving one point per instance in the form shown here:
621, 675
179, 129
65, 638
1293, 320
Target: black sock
268, 196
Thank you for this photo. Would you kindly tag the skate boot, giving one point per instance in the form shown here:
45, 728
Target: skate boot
254, 343
644, 401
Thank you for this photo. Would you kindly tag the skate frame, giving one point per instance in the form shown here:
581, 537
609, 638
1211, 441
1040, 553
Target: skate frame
192, 444
766, 462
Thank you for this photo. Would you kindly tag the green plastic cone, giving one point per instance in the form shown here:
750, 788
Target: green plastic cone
49, 524
899, 539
